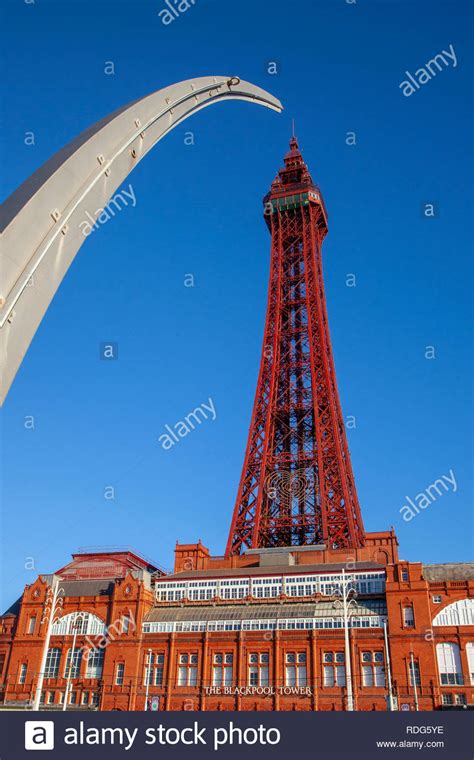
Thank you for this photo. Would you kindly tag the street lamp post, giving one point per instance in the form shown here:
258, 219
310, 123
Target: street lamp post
347, 592
78, 616
413, 675
148, 679
391, 698
52, 604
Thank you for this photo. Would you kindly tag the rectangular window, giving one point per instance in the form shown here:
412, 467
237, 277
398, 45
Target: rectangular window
460, 699
373, 670
23, 671
73, 669
32, 624
85, 698
125, 624
437, 599
217, 670
290, 675
222, 674
451, 679
182, 676
449, 664
295, 671
159, 663
258, 669
42, 697
414, 671
328, 675
447, 699
334, 671
119, 673
408, 619
95, 663
95, 700
340, 675
50, 700
367, 675
228, 675
192, 676
53, 658
73, 698
187, 669
379, 675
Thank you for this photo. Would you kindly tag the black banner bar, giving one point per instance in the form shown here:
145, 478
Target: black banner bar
172, 736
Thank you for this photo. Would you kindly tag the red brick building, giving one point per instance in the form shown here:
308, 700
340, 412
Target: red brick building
259, 631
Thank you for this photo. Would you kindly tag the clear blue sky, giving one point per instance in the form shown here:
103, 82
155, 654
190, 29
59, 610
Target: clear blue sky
199, 211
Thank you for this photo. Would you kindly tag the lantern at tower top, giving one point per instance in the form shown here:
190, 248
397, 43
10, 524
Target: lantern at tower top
293, 187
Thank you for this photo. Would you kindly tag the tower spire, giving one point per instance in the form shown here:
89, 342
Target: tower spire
297, 486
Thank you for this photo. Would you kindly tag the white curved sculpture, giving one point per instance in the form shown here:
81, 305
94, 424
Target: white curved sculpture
41, 221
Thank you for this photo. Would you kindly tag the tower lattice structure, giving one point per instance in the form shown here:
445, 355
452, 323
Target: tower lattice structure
297, 486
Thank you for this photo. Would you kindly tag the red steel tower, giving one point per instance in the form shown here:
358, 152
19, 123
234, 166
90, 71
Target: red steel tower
297, 486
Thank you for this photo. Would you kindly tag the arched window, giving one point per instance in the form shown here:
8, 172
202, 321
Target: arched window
457, 613
470, 659
449, 664
81, 623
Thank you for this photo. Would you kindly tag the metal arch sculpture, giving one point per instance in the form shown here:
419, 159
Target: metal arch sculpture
40, 221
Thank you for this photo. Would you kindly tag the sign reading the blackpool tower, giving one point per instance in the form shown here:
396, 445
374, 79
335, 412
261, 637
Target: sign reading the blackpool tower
258, 691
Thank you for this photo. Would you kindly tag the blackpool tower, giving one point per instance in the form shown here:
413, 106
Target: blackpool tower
297, 486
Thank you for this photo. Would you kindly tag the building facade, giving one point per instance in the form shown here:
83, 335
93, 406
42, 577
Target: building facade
259, 631
306, 610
